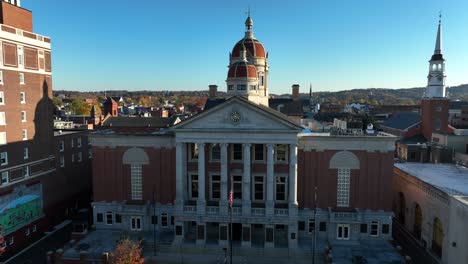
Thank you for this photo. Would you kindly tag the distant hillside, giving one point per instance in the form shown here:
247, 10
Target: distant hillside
405, 96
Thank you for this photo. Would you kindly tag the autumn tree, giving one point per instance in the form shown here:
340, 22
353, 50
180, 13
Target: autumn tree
127, 252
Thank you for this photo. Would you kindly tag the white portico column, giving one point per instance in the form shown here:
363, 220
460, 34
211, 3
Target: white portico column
224, 180
201, 202
180, 176
246, 203
293, 180
270, 180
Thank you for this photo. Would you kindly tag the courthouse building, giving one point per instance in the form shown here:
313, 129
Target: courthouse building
177, 179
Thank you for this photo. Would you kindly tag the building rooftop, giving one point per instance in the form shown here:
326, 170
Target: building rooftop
402, 121
449, 178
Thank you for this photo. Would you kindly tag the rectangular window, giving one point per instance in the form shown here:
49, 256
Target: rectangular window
23, 116
215, 187
281, 152
118, 218
252, 87
1, 75
342, 198
364, 228
259, 152
62, 161
25, 134
280, 188
34, 228
385, 229
80, 156
61, 146
21, 78
135, 223
215, 152
78, 142
193, 151
3, 139
2, 98
73, 157
26, 171
26, 153
258, 188
2, 118
4, 158
193, 186
164, 219
230, 87
22, 97
90, 152
136, 181
154, 219
11, 241
374, 228
323, 226
72, 142
311, 227
241, 87
5, 178
99, 218
237, 186
109, 220
20, 57
237, 152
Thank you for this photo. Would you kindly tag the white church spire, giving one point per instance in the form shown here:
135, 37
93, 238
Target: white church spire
436, 78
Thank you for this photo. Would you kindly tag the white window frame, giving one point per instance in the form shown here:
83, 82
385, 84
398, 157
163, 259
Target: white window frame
24, 134
23, 116
4, 156
3, 138
211, 185
1, 72
241, 182
20, 57
285, 188
376, 225
109, 213
34, 228
22, 97
254, 153
241, 151
25, 153
254, 183
193, 151
277, 160
211, 152
73, 157
4, 244
164, 216
26, 171
135, 223
90, 152
28, 232
2, 118
191, 180
2, 98
21, 78
11, 241
62, 161
343, 187
343, 226
4, 178
78, 140
136, 175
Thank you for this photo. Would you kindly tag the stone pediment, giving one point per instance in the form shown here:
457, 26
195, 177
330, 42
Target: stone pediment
239, 114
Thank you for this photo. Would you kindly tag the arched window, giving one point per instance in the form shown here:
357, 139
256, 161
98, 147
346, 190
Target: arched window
344, 162
136, 157
437, 237
417, 221
434, 67
439, 67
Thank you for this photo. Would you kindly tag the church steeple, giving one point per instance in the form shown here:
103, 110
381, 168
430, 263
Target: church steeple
436, 78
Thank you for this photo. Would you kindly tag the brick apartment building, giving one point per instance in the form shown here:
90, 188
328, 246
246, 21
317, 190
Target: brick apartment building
35, 191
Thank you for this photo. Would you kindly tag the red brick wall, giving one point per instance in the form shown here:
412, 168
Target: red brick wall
14, 16
370, 185
111, 178
430, 114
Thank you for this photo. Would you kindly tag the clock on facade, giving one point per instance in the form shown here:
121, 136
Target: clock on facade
235, 117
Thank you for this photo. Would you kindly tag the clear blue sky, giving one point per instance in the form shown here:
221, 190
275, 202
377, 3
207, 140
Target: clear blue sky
184, 44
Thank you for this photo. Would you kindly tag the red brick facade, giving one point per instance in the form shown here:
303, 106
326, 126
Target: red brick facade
434, 116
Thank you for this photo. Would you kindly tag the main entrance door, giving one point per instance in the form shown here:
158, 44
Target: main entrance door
342, 232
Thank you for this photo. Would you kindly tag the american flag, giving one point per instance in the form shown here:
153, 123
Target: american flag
231, 194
